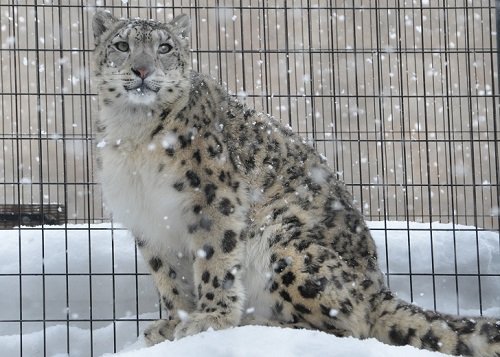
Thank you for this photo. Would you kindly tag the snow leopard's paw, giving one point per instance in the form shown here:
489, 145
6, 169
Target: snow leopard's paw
160, 331
199, 322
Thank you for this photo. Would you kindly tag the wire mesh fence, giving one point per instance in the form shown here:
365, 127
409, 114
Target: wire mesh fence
400, 96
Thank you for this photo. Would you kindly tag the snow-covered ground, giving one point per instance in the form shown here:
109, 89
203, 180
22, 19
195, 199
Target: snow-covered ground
79, 288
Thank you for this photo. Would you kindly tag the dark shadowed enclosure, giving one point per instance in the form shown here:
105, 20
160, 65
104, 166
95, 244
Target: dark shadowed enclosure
401, 97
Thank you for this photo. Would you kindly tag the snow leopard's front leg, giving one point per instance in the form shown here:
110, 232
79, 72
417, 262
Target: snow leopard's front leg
217, 281
215, 235
176, 298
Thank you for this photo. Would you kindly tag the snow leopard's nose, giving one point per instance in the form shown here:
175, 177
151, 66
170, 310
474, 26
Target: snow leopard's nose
141, 72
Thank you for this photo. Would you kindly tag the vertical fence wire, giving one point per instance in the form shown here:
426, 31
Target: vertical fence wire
496, 112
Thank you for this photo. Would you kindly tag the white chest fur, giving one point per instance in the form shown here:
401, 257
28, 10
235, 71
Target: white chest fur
142, 198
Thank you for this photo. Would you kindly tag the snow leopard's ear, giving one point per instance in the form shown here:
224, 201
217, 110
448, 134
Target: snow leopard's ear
181, 25
102, 21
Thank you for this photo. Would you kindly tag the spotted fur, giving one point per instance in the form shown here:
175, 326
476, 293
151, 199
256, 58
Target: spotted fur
239, 219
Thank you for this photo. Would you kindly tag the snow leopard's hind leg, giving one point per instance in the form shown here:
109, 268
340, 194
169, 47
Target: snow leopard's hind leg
313, 287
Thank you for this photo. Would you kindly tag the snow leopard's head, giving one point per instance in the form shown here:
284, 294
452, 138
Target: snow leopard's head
140, 62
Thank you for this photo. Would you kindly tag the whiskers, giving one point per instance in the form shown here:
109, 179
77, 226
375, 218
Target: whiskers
155, 85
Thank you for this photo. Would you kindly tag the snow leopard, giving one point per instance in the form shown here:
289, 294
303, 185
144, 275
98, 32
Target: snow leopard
239, 219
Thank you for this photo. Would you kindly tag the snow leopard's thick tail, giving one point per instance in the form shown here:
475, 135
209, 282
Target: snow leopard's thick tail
397, 322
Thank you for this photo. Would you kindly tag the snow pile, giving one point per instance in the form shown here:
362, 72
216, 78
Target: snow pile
274, 341
82, 282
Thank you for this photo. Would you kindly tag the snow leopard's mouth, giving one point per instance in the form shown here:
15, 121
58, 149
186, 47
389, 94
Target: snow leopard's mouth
142, 89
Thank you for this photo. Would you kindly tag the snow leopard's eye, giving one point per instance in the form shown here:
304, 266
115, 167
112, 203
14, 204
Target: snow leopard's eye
164, 48
122, 46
